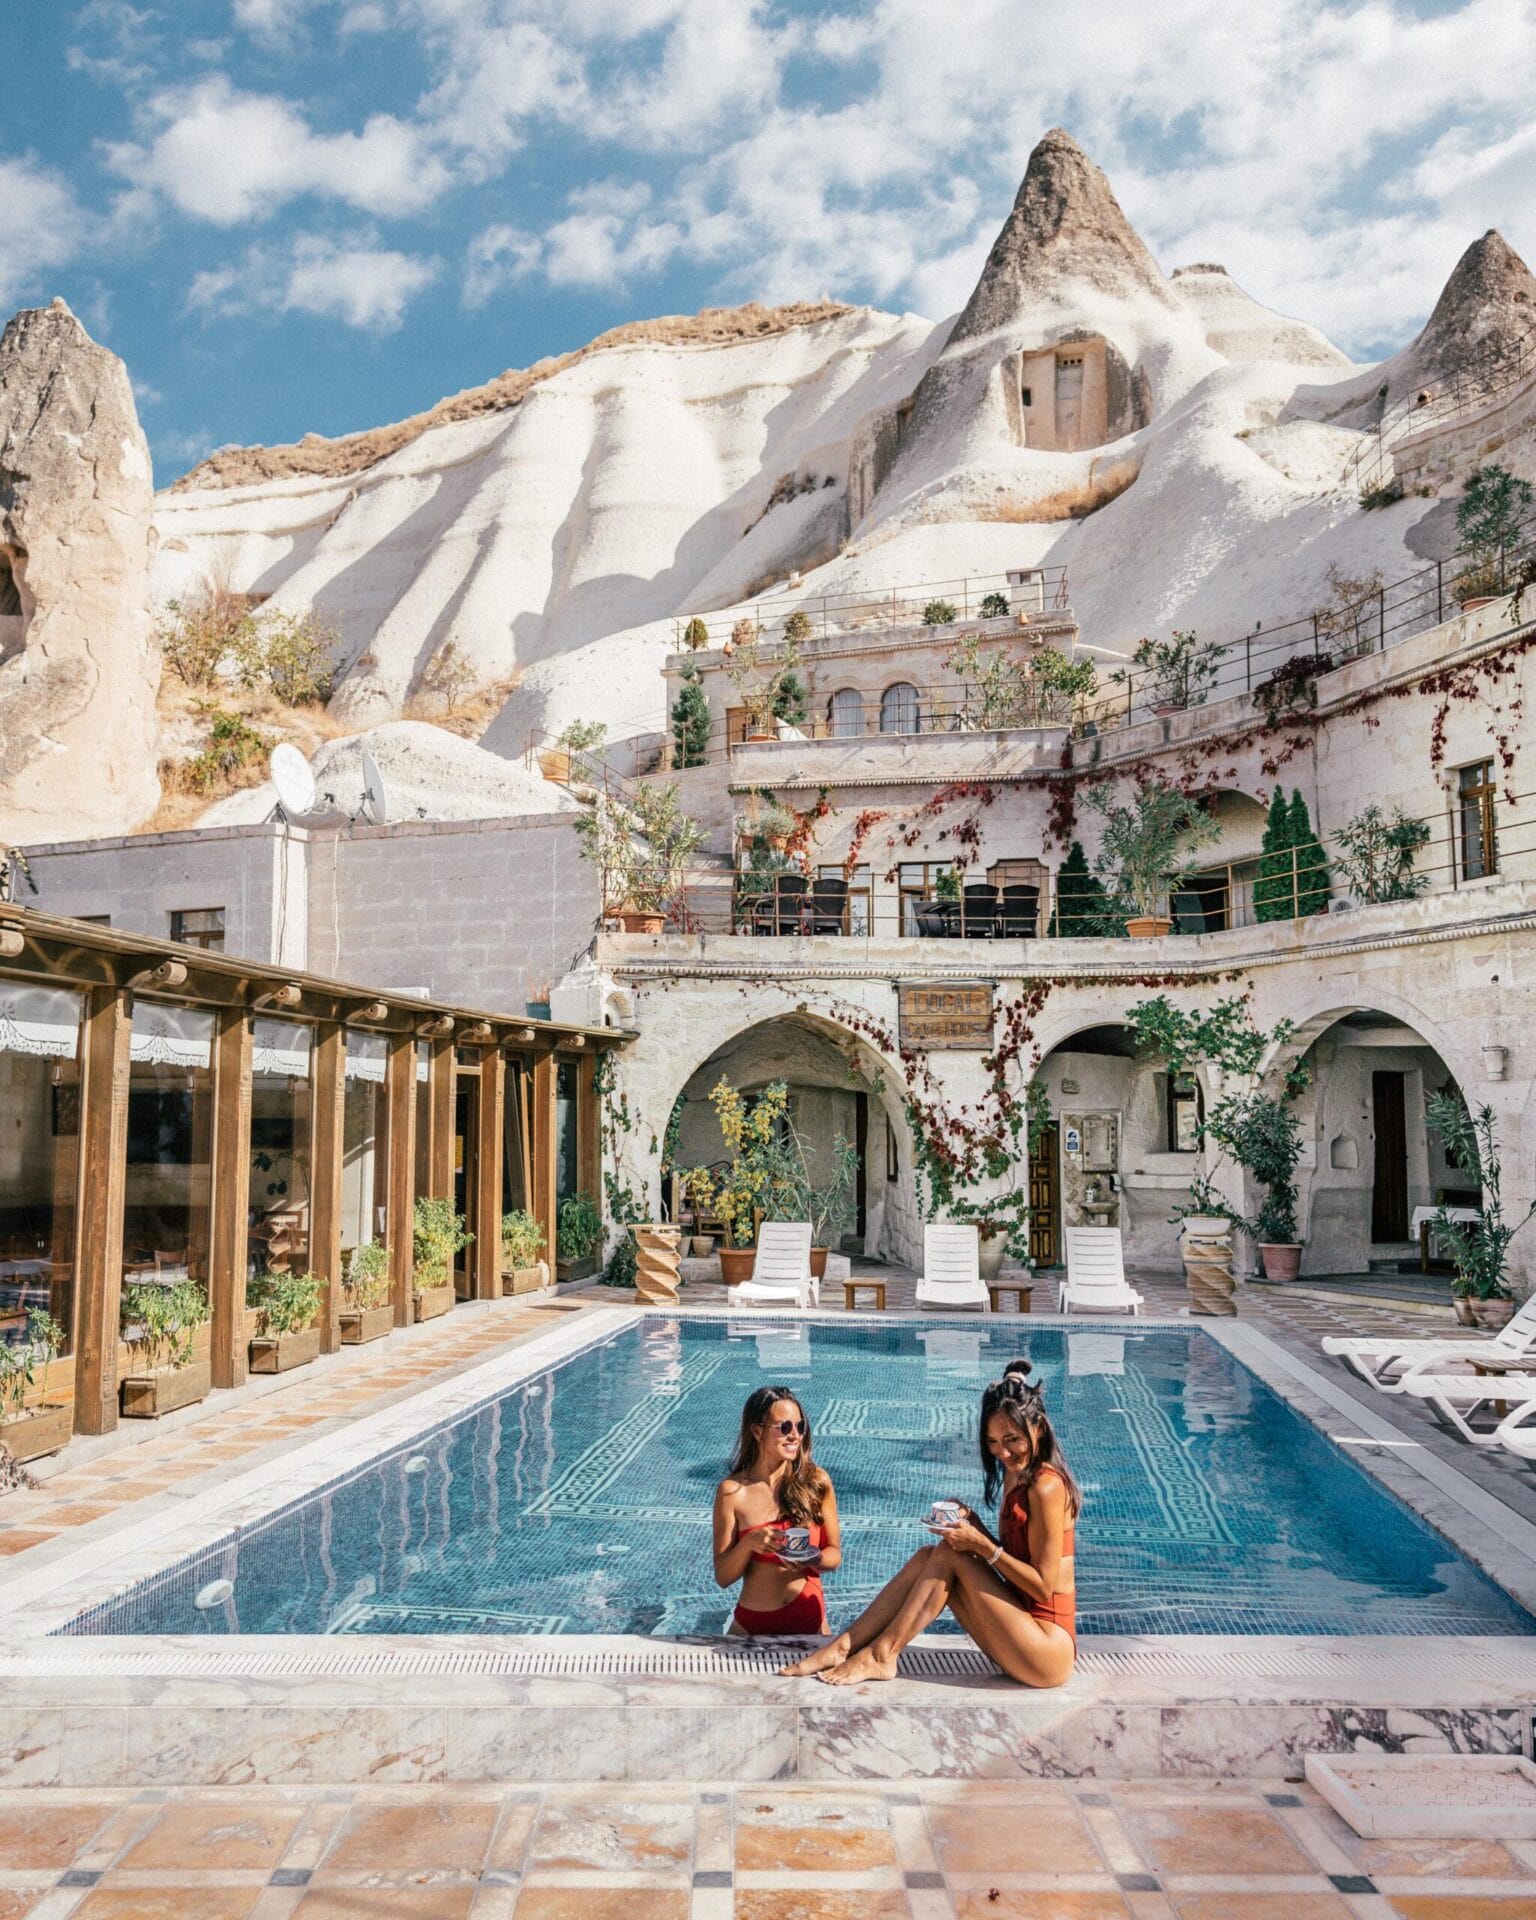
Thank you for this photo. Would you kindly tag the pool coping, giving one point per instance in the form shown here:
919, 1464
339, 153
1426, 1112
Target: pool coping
154, 1710
43, 1597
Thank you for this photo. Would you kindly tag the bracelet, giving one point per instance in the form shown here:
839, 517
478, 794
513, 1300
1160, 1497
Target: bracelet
996, 1557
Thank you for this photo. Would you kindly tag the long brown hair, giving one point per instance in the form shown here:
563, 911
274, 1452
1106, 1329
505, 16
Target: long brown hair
804, 1486
1019, 1400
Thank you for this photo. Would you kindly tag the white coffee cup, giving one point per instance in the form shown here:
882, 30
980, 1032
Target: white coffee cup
796, 1543
945, 1514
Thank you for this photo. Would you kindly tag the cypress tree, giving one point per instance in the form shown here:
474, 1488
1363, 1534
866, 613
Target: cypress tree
1272, 887
1311, 861
690, 720
1082, 905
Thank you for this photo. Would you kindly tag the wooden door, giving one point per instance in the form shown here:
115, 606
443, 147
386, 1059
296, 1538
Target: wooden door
1045, 1199
1389, 1190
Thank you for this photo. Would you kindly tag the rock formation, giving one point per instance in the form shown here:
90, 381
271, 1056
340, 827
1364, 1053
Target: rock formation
79, 668
1486, 315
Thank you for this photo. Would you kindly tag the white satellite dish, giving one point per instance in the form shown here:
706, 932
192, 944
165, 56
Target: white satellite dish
293, 780
373, 791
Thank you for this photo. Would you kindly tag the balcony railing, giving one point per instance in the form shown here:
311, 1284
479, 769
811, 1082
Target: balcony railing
1043, 590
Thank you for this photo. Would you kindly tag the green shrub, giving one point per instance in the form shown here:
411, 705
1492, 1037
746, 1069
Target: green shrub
163, 1321
366, 1281
285, 1302
20, 1361
623, 1264
1082, 910
233, 744
789, 701
1490, 520
1376, 854
522, 1240
939, 613
994, 607
437, 1234
578, 1227
798, 626
581, 736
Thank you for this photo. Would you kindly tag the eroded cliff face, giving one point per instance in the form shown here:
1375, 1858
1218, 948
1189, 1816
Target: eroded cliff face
80, 669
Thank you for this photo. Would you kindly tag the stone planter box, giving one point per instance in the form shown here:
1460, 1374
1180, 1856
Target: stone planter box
145, 1396
359, 1325
37, 1431
525, 1279
279, 1352
427, 1303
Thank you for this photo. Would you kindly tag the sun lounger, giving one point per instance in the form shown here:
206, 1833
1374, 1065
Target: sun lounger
781, 1273
1387, 1360
1457, 1398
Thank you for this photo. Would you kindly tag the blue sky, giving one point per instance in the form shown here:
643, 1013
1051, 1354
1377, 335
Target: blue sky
320, 215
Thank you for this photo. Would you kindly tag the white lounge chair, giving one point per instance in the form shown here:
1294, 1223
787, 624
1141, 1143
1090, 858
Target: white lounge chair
781, 1273
1516, 1432
952, 1269
1388, 1360
1095, 1281
1456, 1397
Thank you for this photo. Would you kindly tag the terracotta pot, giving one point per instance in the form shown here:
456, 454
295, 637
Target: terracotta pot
555, 764
1493, 1315
1478, 600
1463, 1310
634, 920
1281, 1262
427, 1303
37, 1431
1148, 927
359, 1325
145, 1396
755, 738
1168, 706
989, 1254
819, 1262
736, 1264
281, 1352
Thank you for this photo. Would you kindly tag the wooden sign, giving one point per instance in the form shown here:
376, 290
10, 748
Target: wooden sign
955, 1015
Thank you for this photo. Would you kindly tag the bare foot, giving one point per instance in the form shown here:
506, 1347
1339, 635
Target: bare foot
866, 1664
833, 1654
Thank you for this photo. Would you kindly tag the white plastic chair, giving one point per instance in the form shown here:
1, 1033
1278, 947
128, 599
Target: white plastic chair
1456, 1397
781, 1273
952, 1269
1388, 1362
1095, 1281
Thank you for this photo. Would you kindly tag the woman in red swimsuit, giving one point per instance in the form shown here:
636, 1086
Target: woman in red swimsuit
1014, 1593
774, 1483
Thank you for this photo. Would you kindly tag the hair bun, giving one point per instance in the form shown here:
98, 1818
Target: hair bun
1018, 1370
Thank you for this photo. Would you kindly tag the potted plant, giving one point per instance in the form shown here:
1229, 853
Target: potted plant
1178, 673
581, 736
641, 848
437, 1234
1490, 524
32, 1424
287, 1306
366, 1310
578, 1235
163, 1364
522, 1245
695, 635
1479, 1248
1142, 851
1376, 851
760, 1166
763, 685
994, 606
831, 1206
939, 613
1206, 1213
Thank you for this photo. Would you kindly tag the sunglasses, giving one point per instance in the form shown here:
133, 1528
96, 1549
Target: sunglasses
787, 1427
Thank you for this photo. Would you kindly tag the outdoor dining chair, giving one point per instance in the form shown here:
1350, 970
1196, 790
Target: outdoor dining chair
1021, 912
828, 907
1096, 1273
979, 913
789, 891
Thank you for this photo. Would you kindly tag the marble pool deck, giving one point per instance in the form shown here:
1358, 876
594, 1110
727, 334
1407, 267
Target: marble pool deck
162, 1713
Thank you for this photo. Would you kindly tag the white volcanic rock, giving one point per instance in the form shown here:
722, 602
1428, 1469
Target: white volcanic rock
80, 668
1238, 328
428, 773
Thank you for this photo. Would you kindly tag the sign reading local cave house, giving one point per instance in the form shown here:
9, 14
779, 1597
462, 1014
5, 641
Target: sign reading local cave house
952, 1015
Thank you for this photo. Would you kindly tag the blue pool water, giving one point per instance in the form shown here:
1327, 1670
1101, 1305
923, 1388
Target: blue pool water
579, 1502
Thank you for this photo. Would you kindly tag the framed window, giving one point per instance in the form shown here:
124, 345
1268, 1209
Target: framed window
1476, 803
199, 927
1184, 1109
845, 714
899, 709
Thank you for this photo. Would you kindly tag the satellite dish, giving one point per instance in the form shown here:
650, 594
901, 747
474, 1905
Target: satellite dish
293, 780
373, 791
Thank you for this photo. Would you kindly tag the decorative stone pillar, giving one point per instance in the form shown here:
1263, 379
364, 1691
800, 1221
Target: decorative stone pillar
657, 1264
1207, 1252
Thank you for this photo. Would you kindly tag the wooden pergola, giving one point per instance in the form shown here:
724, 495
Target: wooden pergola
112, 968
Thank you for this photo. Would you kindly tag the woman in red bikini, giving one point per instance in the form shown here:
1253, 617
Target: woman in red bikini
774, 1484
1014, 1594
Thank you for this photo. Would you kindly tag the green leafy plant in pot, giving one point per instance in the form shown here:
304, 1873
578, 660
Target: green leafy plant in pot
522, 1251
1144, 851
578, 1231
31, 1426
438, 1233
1479, 1248
759, 1168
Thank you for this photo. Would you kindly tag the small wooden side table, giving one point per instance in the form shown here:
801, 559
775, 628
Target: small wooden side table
1023, 1290
853, 1288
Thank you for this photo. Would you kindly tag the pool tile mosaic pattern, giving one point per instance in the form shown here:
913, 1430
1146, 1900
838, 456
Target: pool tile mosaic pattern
579, 1501
1238, 1850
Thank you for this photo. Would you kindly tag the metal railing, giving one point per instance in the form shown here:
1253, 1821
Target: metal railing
1493, 372
1043, 591
1496, 840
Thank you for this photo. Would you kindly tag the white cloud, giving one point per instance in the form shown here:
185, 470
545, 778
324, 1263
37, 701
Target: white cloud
353, 280
227, 157
496, 256
41, 227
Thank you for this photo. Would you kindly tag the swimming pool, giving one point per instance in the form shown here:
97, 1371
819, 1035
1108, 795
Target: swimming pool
579, 1500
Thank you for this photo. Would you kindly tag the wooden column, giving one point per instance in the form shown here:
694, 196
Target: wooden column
103, 1172
485, 1251
402, 1170
589, 1151
440, 1101
231, 1196
541, 1118
325, 1177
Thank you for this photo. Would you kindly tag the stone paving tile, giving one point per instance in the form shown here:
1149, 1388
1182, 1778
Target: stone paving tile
246, 1830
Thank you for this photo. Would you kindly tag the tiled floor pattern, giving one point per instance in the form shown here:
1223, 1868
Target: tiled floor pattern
1037, 1851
